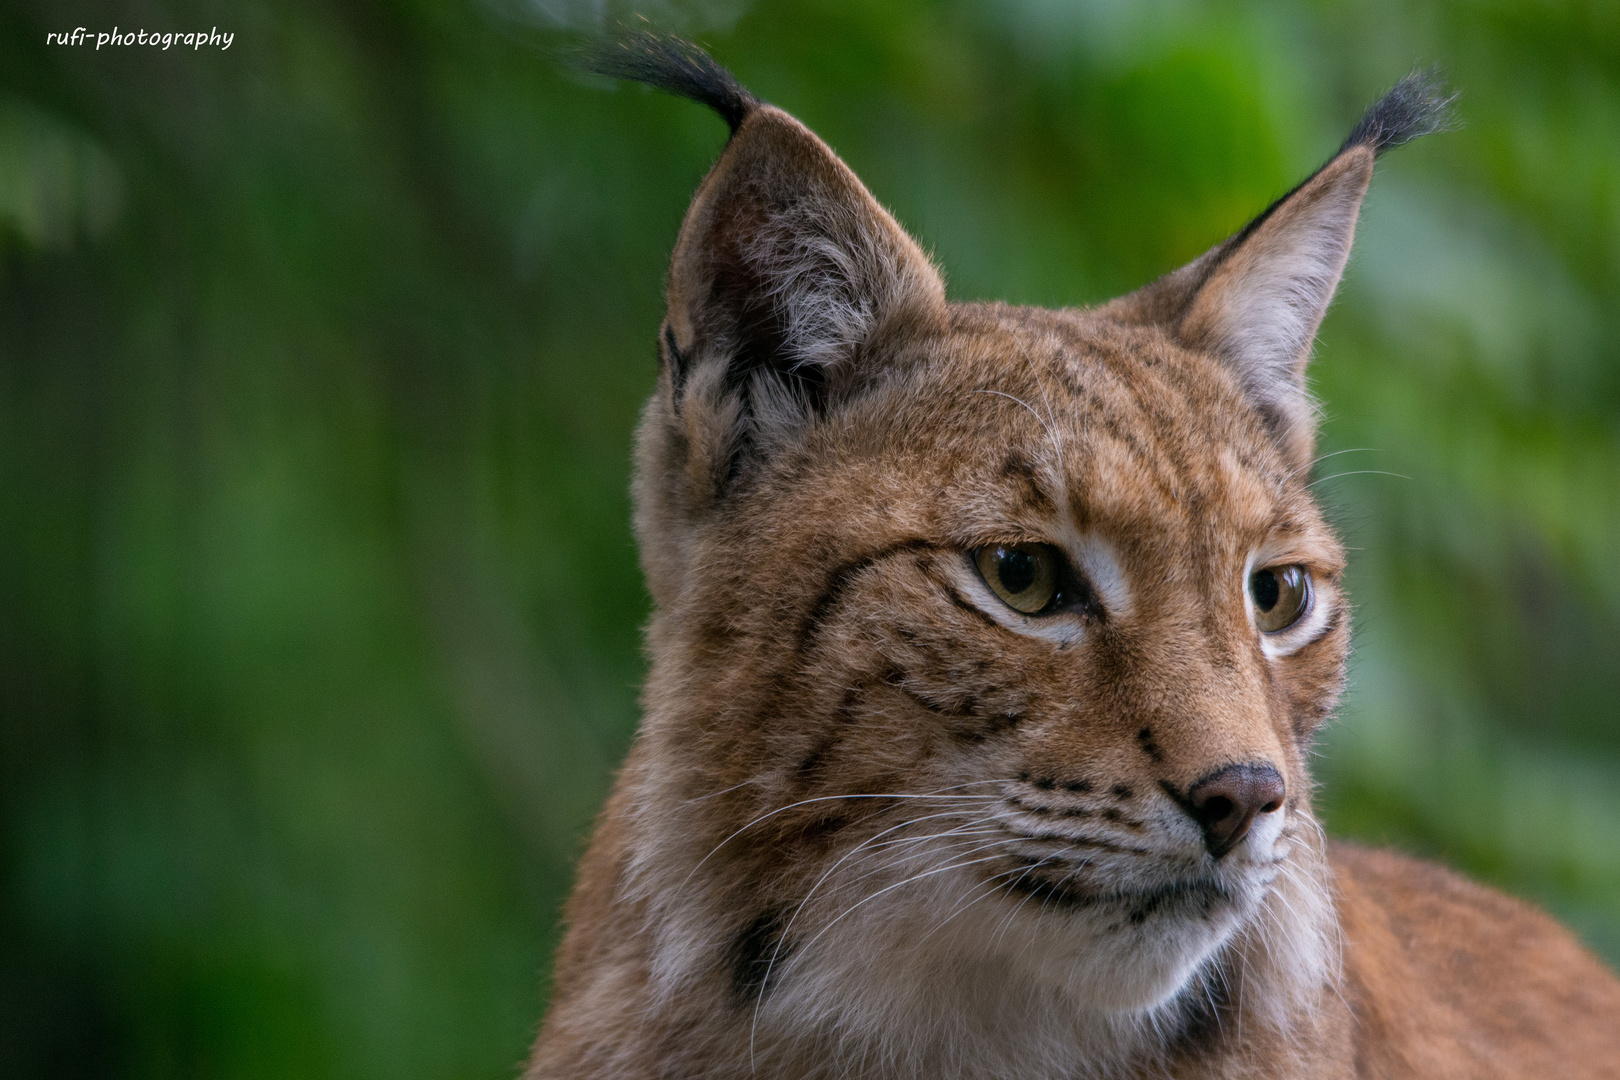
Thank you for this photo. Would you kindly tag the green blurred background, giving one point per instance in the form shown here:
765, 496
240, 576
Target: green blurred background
319, 359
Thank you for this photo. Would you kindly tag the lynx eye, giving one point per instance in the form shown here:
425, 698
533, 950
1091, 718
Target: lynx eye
1281, 595
1024, 576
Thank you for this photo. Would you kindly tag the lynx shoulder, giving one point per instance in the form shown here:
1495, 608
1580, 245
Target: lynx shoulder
988, 647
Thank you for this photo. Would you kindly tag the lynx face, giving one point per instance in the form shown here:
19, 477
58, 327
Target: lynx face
982, 681
988, 641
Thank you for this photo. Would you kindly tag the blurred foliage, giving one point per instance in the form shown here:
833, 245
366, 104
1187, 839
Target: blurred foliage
319, 360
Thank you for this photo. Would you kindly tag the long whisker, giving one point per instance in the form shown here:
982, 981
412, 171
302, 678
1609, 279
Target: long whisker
966, 829
722, 791
1205, 983
1358, 472
974, 823
966, 837
1038, 418
1315, 461
1243, 972
835, 798
1013, 914
856, 850
1040, 384
910, 880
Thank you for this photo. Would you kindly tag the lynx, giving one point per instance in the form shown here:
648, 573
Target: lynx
988, 647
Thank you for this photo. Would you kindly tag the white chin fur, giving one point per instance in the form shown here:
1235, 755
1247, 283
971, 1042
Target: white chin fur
1006, 985
944, 944
947, 976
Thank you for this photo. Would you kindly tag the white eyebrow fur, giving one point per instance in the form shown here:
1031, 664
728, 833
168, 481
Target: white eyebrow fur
1097, 562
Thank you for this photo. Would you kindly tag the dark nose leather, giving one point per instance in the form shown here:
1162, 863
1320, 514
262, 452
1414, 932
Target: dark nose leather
1225, 803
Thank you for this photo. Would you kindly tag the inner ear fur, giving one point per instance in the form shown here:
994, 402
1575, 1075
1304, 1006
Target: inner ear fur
1257, 300
1261, 306
786, 269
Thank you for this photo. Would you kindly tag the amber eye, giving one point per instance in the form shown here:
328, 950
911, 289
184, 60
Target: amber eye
1282, 596
1025, 576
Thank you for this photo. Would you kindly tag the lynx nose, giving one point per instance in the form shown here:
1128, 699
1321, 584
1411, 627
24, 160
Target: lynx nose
1225, 804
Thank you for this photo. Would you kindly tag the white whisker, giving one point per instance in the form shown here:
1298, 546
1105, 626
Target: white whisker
1038, 418
1311, 464
838, 798
1358, 472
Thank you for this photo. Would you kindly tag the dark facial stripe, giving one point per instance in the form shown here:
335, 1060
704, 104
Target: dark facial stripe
1207, 1014
1144, 738
1205, 897
962, 602
839, 580
968, 606
676, 362
981, 723
751, 956
1034, 498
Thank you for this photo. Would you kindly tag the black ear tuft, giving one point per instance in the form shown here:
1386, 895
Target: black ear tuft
1418, 105
674, 66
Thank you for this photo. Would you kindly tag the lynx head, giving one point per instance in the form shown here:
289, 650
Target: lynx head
989, 641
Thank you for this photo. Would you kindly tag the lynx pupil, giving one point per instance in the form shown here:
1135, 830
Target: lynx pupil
1264, 588
1017, 570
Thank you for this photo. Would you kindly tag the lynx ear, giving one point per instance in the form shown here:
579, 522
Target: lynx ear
786, 268
1259, 310
1257, 300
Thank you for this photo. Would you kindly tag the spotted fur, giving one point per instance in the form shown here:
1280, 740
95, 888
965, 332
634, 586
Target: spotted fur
879, 823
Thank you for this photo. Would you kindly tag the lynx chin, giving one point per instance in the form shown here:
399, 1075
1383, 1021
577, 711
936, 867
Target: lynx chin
988, 647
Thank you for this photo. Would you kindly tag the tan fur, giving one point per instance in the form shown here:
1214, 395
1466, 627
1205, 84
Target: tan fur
877, 823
